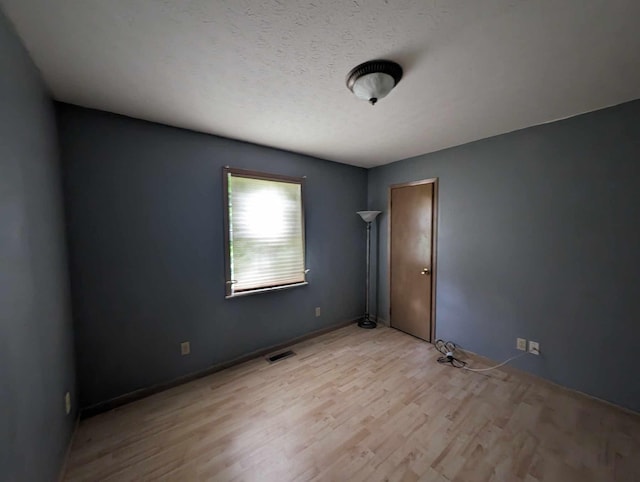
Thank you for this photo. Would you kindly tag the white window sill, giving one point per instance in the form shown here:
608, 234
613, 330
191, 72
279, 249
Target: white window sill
266, 290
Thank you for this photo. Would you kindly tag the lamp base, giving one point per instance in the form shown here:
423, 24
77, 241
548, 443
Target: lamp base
367, 323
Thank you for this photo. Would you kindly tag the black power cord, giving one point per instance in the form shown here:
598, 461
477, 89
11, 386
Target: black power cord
448, 348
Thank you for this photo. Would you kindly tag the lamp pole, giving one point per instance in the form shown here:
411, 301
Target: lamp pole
368, 217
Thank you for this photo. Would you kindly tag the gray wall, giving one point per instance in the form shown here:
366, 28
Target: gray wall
36, 358
539, 237
144, 206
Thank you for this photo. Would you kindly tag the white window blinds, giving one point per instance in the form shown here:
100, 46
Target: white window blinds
265, 232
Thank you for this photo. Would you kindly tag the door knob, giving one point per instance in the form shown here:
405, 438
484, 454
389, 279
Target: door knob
425, 271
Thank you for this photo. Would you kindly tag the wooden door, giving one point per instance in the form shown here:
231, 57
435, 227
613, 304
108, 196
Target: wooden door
412, 260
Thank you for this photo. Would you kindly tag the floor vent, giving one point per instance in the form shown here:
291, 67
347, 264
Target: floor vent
280, 356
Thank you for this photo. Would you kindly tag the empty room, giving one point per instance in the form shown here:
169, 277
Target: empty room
273, 240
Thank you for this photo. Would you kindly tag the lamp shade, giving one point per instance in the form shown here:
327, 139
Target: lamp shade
368, 216
373, 80
373, 86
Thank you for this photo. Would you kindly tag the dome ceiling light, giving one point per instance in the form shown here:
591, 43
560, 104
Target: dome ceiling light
373, 80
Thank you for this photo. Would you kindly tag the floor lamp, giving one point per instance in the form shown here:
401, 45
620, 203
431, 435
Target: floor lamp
368, 217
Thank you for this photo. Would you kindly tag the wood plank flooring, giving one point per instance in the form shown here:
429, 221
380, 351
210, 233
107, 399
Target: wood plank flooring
360, 405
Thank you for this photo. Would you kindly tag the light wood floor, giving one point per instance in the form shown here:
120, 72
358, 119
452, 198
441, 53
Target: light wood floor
360, 405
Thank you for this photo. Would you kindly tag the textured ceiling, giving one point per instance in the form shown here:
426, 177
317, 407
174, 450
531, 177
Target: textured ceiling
273, 71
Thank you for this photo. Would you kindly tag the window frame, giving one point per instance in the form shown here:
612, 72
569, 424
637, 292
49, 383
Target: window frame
247, 173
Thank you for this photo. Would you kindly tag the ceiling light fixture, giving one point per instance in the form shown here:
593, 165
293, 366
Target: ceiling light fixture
373, 80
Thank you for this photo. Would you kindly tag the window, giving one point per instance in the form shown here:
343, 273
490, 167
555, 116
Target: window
264, 227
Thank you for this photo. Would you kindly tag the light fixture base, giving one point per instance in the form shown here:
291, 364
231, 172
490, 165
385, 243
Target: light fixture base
386, 73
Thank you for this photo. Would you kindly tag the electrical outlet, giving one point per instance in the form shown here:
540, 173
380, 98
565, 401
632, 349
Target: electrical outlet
67, 403
185, 348
317, 311
534, 347
521, 344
